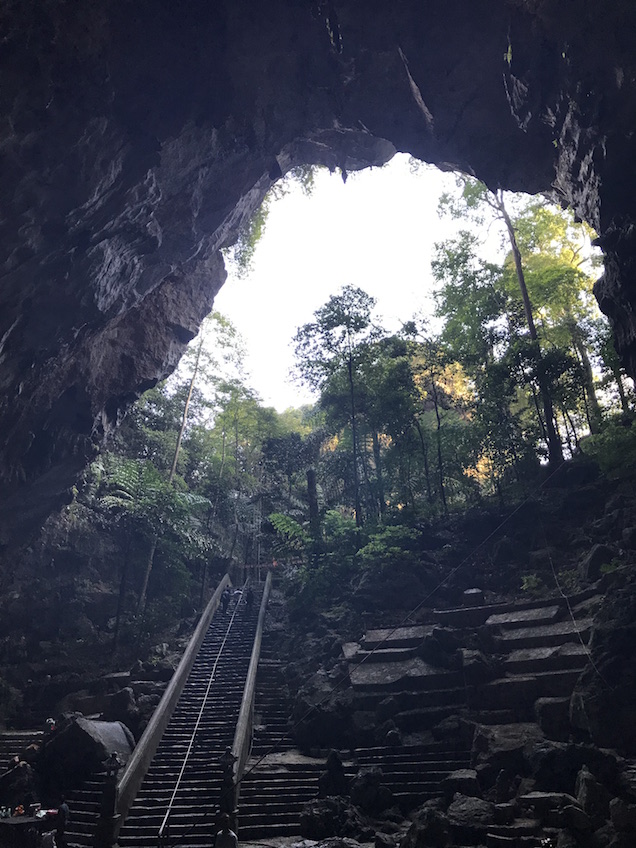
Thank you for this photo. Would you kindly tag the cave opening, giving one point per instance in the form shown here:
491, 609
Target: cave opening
137, 141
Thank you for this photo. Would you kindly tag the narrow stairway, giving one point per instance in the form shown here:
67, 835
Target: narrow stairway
14, 742
195, 798
279, 780
518, 664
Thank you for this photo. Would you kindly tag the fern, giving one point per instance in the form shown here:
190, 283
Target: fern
293, 536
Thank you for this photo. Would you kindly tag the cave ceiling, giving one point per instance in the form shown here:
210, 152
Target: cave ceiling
137, 136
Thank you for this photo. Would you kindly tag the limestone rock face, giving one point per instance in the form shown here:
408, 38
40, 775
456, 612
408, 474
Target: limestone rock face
607, 720
137, 138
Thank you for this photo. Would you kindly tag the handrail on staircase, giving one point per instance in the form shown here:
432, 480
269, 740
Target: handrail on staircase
139, 762
243, 734
165, 824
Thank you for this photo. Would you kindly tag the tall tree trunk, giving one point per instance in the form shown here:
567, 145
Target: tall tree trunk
538, 411
429, 493
312, 497
567, 417
621, 390
364, 463
440, 463
377, 455
356, 482
221, 470
555, 450
592, 406
173, 469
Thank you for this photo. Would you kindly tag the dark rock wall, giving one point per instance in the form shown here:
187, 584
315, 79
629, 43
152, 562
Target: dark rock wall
137, 136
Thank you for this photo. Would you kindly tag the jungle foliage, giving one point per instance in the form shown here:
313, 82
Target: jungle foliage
513, 372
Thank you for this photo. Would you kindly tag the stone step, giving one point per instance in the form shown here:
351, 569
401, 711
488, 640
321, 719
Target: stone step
80, 839
285, 810
535, 615
408, 801
381, 655
519, 827
267, 831
424, 719
370, 700
430, 751
274, 788
521, 691
546, 635
413, 674
476, 616
264, 795
418, 767
396, 637
550, 658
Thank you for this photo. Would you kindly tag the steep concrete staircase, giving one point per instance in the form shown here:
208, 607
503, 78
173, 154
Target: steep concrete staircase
192, 787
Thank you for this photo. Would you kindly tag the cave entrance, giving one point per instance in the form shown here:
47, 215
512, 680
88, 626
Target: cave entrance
374, 228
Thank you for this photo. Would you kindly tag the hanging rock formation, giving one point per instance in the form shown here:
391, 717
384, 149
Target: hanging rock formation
137, 138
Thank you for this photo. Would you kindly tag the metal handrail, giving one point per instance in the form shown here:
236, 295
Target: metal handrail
144, 751
166, 817
243, 734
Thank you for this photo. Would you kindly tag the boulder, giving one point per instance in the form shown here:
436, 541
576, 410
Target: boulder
122, 706
430, 829
369, 792
590, 566
78, 750
440, 648
565, 839
555, 765
384, 840
322, 715
477, 669
463, 781
623, 815
577, 819
469, 818
602, 703
331, 817
548, 807
553, 717
506, 746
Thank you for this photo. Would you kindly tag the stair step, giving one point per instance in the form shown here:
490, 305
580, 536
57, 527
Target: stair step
546, 634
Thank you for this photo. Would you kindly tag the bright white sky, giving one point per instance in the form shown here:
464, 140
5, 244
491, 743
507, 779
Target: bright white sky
377, 232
